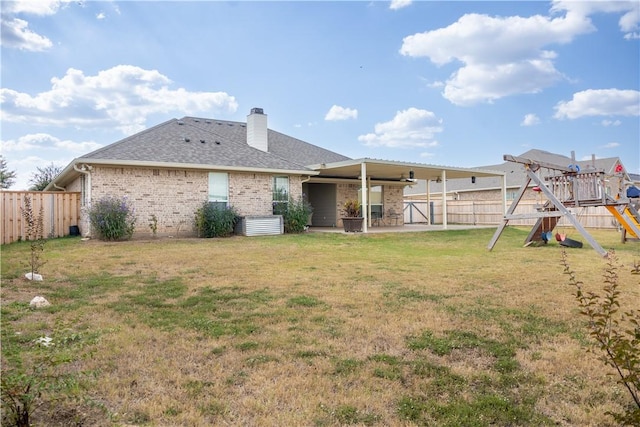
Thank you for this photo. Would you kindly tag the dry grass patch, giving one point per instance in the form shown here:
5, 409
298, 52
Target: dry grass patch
316, 329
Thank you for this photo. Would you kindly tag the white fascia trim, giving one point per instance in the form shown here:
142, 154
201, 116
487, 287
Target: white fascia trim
205, 167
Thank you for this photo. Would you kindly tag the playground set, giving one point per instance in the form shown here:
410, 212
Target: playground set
566, 189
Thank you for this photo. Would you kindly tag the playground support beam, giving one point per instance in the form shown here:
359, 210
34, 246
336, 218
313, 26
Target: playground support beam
554, 200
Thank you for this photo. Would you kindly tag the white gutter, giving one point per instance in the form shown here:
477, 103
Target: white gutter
206, 167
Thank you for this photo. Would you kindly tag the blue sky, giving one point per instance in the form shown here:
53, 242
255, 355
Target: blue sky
449, 83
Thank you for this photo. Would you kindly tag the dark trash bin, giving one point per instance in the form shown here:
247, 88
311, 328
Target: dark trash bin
74, 230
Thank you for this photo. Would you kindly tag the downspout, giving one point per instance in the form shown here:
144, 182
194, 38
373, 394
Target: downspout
57, 187
85, 169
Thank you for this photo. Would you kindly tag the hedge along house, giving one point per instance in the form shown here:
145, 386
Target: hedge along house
169, 171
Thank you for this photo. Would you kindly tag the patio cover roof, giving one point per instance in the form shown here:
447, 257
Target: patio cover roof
372, 171
389, 170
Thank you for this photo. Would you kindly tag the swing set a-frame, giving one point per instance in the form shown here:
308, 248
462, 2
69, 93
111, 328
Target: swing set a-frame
567, 188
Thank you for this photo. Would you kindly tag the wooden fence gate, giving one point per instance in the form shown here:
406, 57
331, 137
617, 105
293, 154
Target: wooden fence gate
61, 212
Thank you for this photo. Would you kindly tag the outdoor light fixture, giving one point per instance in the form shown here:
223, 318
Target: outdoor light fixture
411, 175
473, 179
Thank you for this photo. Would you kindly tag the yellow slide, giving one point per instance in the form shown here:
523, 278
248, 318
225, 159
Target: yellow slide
627, 219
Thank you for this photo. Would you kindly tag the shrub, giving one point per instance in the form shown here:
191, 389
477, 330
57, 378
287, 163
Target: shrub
352, 208
213, 220
295, 214
112, 218
617, 335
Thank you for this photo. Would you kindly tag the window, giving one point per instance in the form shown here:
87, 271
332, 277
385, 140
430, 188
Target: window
375, 200
280, 194
219, 188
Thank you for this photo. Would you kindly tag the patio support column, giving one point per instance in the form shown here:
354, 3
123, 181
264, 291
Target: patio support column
444, 199
363, 180
428, 210
368, 204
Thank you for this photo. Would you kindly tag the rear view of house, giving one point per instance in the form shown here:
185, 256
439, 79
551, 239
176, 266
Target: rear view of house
169, 171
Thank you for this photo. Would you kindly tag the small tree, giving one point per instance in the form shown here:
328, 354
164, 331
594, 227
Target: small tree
112, 218
39, 180
34, 228
617, 335
7, 177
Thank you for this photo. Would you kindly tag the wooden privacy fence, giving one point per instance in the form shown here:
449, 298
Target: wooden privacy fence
490, 213
61, 211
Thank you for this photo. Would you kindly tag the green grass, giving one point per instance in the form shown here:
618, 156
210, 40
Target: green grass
312, 329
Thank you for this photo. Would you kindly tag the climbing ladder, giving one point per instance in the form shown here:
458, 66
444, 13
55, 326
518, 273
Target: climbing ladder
568, 188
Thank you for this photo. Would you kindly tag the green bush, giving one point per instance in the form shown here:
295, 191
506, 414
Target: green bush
112, 218
295, 214
214, 220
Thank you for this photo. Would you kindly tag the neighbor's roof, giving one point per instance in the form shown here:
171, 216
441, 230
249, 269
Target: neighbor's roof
200, 143
515, 173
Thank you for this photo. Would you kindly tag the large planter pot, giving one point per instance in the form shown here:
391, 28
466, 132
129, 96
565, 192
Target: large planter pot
352, 224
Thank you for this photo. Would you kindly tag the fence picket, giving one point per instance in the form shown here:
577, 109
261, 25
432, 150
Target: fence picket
61, 210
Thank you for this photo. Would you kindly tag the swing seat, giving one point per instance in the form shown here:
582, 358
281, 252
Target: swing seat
560, 237
570, 243
546, 236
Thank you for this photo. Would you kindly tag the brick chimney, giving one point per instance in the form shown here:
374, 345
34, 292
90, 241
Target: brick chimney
257, 129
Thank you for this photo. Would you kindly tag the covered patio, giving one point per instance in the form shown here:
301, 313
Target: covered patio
366, 173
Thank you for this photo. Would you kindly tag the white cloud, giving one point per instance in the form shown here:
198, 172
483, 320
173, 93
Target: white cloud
500, 56
399, 4
100, 16
611, 145
409, 128
600, 102
15, 31
530, 120
341, 113
630, 9
17, 35
503, 56
34, 7
607, 123
44, 141
121, 97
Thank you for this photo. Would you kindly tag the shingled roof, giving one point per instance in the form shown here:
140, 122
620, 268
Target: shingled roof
214, 143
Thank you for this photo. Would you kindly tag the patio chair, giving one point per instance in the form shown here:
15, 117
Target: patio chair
376, 218
392, 215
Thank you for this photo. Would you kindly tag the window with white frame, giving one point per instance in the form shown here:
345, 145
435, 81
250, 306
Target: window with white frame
375, 200
219, 188
280, 193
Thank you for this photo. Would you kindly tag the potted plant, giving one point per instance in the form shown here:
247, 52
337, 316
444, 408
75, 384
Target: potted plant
352, 220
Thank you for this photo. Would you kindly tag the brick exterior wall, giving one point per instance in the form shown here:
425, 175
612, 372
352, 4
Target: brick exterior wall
174, 195
392, 196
